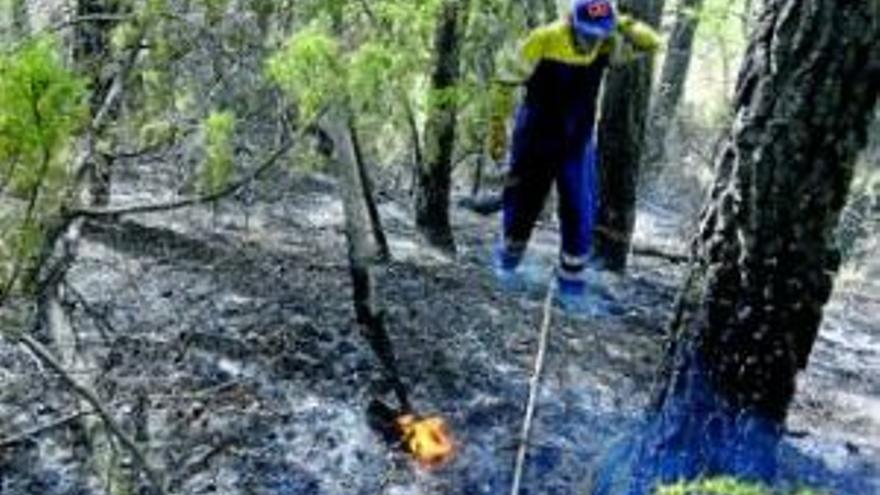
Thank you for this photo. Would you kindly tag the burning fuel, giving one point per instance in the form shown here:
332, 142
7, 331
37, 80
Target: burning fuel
427, 439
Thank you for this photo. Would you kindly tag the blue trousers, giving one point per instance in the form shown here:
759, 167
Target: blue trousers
539, 160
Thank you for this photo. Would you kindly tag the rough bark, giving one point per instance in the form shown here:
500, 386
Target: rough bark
624, 113
750, 310
672, 79
804, 99
434, 183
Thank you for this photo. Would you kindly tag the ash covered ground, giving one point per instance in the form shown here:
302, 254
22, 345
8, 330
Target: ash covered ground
227, 342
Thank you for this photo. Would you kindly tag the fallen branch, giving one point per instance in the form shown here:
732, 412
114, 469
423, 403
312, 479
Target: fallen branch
534, 382
46, 357
644, 251
58, 423
91, 18
188, 202
653, 252
101, 320
202, 462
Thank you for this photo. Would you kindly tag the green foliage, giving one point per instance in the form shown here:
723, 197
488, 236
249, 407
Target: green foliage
373, 56
408, 25
42, 106
718, 48
310, 69
155, 133
123, 36
215, 10
263, 8
722, 486
378, 58
371, 70
157, 91
217, 170
155, 8
723, 21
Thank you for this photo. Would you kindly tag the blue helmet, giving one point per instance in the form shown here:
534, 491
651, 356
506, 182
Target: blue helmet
594, 19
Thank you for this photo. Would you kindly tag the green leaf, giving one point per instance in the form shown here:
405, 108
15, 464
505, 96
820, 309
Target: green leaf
217, 170
309, 68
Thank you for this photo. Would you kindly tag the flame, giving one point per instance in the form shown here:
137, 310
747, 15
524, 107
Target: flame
427, 439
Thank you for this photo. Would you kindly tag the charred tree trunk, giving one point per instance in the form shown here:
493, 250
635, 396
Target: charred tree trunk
91, 51
767, 253
624, 113
362, 250
434, 184
383, 253
415, 137
672, 79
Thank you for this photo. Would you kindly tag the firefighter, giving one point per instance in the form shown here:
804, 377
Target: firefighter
561, 66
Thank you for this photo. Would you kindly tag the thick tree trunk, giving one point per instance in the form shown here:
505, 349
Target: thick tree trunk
672, 79
434, 182
621, 130
806, 93
784, 172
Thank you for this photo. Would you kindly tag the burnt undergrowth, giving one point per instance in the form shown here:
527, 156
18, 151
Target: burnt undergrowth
228, 345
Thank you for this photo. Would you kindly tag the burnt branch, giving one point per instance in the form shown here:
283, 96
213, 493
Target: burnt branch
229, 190
89, 396
15, 440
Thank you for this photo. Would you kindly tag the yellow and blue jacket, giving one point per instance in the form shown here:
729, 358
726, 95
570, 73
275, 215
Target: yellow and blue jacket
562, 82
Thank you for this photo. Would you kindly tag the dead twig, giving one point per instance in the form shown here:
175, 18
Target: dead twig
202, 462
644, 251
58, 423
89, 396
534, 383
653, 252
100, 318
92, 18
188, 202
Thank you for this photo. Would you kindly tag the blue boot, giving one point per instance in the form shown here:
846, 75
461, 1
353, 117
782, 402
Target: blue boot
573, 298
504, 265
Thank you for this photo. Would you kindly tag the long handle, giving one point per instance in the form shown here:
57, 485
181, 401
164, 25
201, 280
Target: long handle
534, 383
